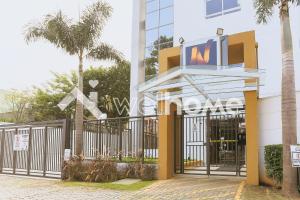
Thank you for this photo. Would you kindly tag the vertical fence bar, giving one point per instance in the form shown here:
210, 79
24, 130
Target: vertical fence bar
45, 150
14, 155
68, 128
64, 132
208, 133
143, 140
2, 150
29, 151
182, 143
175, 143
97, 139
120, 139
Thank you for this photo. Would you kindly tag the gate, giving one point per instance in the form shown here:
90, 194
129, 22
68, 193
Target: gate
210, 144
35, 149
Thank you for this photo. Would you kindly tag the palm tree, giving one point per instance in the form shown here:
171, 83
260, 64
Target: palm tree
264, 10
81, 39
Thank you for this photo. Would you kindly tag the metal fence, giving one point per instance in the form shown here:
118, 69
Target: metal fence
35, 149
38, 149
128, 138
210, 144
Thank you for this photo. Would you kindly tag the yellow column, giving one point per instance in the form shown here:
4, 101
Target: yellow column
168, 58
242, 48
252, 137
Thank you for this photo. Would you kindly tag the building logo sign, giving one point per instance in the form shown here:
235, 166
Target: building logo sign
202, 54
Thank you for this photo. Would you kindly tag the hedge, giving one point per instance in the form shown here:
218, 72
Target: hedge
273, 162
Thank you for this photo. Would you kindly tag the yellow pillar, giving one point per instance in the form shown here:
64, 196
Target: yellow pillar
168, 58
242, 48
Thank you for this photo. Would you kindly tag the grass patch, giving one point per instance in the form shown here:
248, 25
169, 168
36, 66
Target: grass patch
111, 186
134, 160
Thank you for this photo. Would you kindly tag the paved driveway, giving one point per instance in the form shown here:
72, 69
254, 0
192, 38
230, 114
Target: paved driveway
181, 188
12, 187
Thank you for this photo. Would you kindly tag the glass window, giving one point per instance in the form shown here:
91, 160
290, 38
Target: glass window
213, 7
229, 4
152, 20
219, 7
159, 32
166, 31
166, 3
151, 37
152, 6
166, 16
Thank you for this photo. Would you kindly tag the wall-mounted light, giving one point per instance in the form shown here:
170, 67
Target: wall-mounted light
220, 31
181, 40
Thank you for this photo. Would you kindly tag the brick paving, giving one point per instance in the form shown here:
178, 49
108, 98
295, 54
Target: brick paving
179, 188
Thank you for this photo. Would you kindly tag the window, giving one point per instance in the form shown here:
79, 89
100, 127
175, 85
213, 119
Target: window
159, 32
220, 7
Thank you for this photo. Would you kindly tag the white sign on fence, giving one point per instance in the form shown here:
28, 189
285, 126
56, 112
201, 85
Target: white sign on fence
295, 155
67, 154
21, 142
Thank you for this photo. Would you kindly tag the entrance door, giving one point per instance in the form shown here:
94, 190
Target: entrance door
210, 144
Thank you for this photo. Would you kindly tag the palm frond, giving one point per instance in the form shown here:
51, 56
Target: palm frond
264, 9
55, 29
92, 22
105, 52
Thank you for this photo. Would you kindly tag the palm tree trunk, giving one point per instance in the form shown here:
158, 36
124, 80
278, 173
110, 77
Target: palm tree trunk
79, 112
288, 103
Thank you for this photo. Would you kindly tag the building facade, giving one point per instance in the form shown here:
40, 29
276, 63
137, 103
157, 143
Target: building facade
159, 24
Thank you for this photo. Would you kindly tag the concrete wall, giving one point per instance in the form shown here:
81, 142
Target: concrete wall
270, 125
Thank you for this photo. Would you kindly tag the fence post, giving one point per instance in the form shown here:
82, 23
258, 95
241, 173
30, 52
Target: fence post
15, 157
120, 139
45, 150
67, 133
29, 151
143, 139
65, 142
208, 132
97, 140
182, 143
2, 150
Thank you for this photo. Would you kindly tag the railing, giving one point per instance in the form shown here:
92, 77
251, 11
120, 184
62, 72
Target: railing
124, 139
35, 149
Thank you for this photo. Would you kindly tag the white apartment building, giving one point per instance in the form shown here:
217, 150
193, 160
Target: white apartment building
159, 24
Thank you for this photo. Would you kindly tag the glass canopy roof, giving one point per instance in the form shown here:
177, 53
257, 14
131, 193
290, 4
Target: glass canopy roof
203, 82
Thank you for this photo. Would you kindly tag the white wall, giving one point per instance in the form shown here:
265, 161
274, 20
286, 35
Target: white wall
190, 22
270, 128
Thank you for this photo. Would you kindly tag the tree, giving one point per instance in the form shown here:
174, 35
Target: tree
114, 83
264, 10
45, 100
80, 39
18, 102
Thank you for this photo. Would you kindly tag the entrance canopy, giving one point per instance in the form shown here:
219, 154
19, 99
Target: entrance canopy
204, 82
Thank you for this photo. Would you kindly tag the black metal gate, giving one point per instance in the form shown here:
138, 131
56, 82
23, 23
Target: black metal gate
40, 154
210, 144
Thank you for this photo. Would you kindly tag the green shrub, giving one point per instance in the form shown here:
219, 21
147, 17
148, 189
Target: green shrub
273, 162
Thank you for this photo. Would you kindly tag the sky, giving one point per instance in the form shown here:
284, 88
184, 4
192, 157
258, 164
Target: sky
23, 66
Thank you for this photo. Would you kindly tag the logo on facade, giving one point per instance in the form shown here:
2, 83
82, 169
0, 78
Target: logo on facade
202, 54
